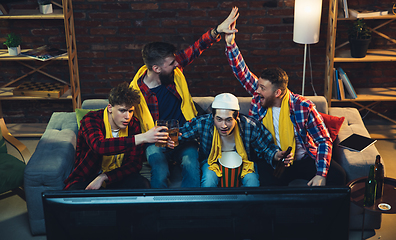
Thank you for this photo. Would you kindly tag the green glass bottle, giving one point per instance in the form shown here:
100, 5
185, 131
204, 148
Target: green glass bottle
370, 190
379, 176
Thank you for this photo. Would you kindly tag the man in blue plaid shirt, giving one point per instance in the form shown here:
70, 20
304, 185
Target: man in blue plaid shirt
225, 130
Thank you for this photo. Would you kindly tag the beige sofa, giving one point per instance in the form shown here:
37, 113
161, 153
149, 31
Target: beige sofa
53, 159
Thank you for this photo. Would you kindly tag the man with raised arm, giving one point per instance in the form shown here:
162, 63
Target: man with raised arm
292, 120
109, 151
165, 95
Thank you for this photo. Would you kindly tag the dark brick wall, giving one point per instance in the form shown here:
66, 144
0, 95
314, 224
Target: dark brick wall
111, 33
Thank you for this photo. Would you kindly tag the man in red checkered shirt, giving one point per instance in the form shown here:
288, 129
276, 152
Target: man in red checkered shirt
166, 96
110, 145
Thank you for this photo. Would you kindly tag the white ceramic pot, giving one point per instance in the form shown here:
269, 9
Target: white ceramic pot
14, 51
46, 9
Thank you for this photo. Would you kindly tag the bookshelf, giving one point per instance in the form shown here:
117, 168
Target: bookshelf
65, 13
336, 55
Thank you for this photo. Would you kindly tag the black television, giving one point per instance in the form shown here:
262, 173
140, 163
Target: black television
200, 213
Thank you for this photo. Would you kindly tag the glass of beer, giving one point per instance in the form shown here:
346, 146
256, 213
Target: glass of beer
173, 130
160, 123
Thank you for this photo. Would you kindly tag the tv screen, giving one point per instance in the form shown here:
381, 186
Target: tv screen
200, 213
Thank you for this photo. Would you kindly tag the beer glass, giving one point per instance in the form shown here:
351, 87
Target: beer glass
160, 123
173, 130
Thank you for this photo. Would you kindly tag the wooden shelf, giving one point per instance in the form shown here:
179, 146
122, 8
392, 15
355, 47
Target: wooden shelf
6, 94
373, 55
389, 16
32, 14
372, 94
339, 54
4, 56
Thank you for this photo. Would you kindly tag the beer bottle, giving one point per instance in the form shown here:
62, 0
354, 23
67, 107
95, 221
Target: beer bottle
379, 176
370, 189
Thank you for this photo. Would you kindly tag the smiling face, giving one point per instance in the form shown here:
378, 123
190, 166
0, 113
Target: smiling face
120, 116
224, 121
267, 93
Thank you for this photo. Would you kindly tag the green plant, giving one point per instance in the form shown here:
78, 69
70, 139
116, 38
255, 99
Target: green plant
12, 40
359, 30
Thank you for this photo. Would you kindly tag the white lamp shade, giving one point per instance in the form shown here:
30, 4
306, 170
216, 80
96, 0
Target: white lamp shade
307, 14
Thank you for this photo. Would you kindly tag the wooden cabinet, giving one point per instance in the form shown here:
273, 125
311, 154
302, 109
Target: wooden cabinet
334, 54
66, 13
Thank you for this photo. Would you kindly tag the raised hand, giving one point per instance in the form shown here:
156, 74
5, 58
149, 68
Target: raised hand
228, 25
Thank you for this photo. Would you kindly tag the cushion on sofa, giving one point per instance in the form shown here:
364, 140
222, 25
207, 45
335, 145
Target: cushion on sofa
333, 124
80, 113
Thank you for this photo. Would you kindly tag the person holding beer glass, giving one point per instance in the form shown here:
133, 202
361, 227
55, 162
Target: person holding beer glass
226, 131
109, 151
292, 120
165, 96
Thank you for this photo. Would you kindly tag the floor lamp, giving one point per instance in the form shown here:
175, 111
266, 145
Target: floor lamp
307, 14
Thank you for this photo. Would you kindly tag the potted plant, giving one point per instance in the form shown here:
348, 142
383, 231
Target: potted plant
13, 42
359, 38
45, 6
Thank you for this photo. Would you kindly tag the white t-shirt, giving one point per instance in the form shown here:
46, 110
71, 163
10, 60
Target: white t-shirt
299, 151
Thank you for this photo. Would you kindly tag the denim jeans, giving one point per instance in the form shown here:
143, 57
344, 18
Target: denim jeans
186, 154
210, 179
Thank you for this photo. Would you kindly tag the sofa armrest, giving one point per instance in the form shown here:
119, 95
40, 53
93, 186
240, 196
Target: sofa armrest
356, 164
50, 165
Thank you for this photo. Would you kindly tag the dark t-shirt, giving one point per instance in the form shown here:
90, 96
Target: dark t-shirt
168, 104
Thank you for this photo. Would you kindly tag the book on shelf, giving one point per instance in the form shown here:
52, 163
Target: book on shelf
366, 13
45, 53
342, 90
337, 94
356, 142
343, 9
348, 85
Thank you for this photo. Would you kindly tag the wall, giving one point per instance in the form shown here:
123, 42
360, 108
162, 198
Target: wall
111, 33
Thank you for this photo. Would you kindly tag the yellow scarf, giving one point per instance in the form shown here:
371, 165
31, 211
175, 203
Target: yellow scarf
113, 161
286, 128
142, 111
215, 153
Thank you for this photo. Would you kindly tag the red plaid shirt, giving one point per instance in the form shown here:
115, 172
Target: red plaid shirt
184, 58
92, 145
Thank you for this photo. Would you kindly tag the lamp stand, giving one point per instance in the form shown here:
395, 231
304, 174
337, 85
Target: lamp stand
305, 61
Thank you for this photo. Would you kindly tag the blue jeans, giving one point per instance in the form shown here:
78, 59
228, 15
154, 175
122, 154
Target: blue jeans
210, 179
186, 154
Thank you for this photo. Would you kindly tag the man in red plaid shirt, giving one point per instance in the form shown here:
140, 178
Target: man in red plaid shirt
110, 145
165, 95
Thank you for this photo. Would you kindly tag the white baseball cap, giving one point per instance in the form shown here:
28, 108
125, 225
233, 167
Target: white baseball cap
226, 101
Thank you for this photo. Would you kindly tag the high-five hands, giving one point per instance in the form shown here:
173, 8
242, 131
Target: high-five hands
228, 25
229, 37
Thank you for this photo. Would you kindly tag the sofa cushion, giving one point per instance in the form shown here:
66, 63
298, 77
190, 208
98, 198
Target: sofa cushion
333, 124
80, 113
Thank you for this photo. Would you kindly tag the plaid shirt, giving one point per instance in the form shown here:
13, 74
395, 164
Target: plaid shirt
184, 58
254, 135
92, 145
307, 121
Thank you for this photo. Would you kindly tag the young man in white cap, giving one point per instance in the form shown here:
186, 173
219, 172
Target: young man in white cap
225, 130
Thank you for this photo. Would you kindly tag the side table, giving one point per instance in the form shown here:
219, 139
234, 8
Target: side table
389, 196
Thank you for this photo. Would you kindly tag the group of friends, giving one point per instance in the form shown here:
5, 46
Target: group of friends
113, 143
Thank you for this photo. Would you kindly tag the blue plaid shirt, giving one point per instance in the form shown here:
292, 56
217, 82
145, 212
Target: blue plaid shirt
254, 135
